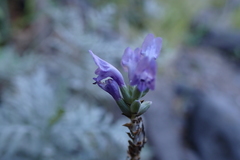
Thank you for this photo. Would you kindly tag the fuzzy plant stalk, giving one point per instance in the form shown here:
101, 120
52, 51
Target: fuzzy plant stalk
142, 68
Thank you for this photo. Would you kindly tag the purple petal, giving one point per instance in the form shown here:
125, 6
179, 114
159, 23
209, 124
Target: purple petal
130, 60
105, 70
145, 74
126, 59
151, 46
111, 87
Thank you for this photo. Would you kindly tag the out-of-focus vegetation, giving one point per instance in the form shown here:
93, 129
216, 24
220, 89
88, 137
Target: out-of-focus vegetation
170, 19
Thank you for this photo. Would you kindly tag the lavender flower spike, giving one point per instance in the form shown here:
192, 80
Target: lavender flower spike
106, 70
141, 63
111, 87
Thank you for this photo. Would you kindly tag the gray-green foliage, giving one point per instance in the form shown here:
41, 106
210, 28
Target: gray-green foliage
81, 132
40, 121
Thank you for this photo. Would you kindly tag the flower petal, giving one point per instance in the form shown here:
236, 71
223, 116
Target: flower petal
127, 59
151, 46
111, 87
105, 70
145, 74
130, 61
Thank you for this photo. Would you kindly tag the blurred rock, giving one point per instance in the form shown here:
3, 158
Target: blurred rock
213, 28
211, 130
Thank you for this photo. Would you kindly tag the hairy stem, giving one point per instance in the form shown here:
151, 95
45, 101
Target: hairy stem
137, 136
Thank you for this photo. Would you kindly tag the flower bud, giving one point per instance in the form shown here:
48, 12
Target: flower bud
144, 107
134, 108
125, 93
136, 94
124, 108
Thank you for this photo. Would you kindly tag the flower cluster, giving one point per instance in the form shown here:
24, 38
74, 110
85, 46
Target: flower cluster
141, 67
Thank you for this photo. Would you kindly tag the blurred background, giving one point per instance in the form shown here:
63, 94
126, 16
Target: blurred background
50, 110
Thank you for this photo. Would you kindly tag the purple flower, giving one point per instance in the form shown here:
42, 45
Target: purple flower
141, 63
106, 70
111, 87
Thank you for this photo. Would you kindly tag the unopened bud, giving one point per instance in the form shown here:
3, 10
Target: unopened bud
124, 107
125, 93
136, 94
144, 107
134, 108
